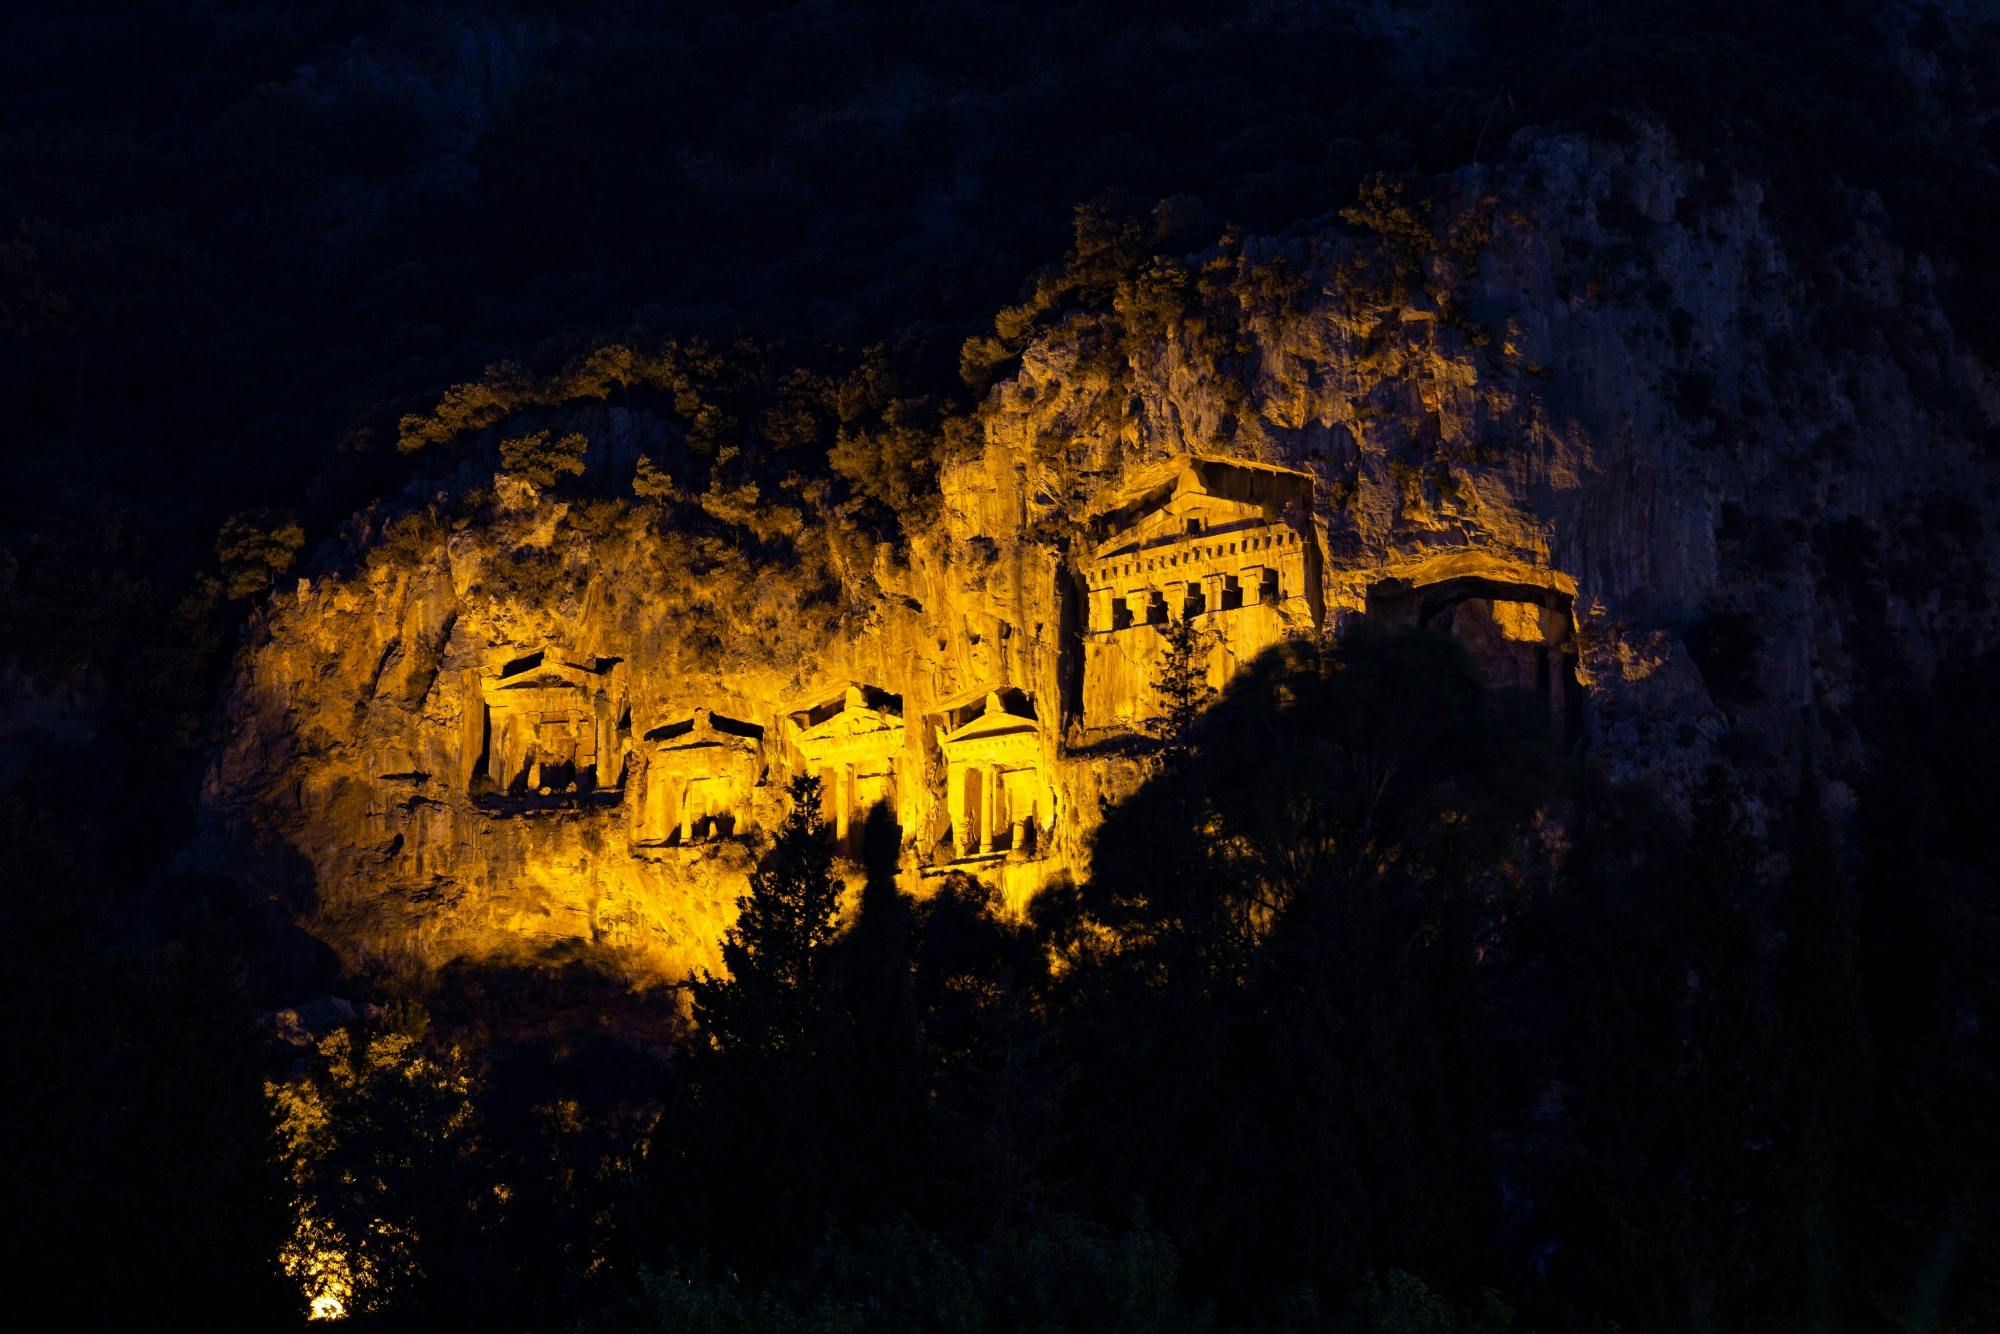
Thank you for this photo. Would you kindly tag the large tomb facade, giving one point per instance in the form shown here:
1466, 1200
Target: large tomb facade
547, 725
1519, 635
1225, 545
853, 741
998, 793
698, 781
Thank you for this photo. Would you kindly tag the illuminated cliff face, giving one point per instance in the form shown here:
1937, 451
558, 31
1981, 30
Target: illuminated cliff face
521, 730
566, 781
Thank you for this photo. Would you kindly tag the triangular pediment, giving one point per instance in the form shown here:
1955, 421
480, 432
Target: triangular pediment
707, 728
991, 725
863, 708
996, 720
1193, 496
537, 671
1187, 516
852, 723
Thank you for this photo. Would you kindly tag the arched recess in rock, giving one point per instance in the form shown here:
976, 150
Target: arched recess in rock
1516, 620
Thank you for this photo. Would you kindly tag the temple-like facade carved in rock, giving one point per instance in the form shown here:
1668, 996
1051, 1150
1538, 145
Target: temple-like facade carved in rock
699, 782
1519, 628
1230, 548
1227, 546
853, 740
997, 788
547, 726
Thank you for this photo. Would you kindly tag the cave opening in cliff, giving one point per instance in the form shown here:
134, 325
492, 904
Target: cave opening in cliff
1519, 636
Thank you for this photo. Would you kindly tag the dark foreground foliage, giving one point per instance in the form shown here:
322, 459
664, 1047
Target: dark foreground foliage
1372, 1016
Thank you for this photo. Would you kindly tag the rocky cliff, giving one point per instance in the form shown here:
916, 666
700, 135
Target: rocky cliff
1585, 408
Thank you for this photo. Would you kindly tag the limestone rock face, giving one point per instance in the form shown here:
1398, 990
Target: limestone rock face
1611, 415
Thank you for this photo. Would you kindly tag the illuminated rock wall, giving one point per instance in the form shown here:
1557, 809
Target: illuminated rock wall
459, 771
512, 730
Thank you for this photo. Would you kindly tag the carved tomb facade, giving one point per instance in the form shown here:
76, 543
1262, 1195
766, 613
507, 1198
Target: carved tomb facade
1226, 545
997, 788
545, 726
698, 781
854, 742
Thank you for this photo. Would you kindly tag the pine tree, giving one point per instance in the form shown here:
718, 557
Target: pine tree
879, 1080
880, 995
769, 1001
1182, 683
748, 1154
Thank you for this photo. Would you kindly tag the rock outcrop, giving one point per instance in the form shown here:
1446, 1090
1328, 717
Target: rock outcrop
1601, 415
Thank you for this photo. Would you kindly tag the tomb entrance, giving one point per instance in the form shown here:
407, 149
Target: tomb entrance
547, 726
853, 740
699, 776
997, 789
1519, 635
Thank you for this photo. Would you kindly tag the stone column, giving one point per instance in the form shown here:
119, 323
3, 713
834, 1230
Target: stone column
472, 726
954, 805
988, 776
843, 803
687, 812
603, 743
499, 762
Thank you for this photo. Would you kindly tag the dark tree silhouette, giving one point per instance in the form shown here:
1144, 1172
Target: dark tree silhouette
775, 985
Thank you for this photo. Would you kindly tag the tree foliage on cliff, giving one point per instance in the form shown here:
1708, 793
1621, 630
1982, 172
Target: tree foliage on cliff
241, 243
1371, 1017
775, 951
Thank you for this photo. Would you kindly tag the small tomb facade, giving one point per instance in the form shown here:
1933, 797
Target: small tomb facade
698, 782
997, 789
1520, 636
853, 741
545, 725
1226, 545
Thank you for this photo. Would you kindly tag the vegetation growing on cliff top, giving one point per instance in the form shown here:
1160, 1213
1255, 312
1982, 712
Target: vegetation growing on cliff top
232, 262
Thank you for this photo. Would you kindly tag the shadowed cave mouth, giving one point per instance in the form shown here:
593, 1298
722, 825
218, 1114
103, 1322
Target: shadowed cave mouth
1519, 636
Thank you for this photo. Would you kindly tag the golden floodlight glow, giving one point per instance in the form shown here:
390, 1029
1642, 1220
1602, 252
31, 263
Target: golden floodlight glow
322, 1271
1519, 621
